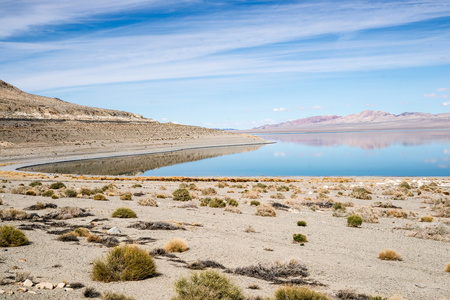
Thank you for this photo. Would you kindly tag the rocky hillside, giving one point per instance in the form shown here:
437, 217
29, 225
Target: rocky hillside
377, 120
16, 104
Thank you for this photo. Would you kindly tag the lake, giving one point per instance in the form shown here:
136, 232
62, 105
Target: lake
387, 153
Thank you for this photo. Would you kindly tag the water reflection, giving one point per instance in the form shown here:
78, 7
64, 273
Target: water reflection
137, 165
363, 140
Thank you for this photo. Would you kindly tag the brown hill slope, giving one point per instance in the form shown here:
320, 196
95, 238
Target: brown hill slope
16, 104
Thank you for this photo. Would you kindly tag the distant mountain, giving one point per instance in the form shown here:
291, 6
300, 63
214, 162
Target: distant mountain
365, 120
16, 104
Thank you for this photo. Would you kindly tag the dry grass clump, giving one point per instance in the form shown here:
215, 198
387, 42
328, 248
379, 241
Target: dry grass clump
441, 208
14, 214
124, 263
124, 212
94, 238
209, 191
86, 191
265, 210
427, 219
176, 245
361, 193
67, 212
30, 193
207, 285
70, 193
67, 237
148, 202
298, 293
389, 254
368, 214
251, 194
126, 197
12, 237
39, 205
395, 213
99, 197
81, 231
277, 196
115, 296
233, 209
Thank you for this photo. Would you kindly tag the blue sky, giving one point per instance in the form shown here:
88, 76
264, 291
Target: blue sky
231, 64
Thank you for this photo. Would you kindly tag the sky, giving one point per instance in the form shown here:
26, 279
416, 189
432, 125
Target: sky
231, 64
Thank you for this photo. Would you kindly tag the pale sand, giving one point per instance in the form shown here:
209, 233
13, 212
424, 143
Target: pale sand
337, 256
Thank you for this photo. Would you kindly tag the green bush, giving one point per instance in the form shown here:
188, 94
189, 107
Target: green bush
299, 238
35, 183
99, 197
301, 223
57, 185
12, 237
86, 192
124, 263
298, 293
126, 196
136, 185
205, 201
217, 203
254, 203
181, 195
354, 221
232, 202
124, 212
338, 205
71, 193
30, 193
361, 193
283, 188
209, 191
404, 185
114, 296
48, 193
207, 285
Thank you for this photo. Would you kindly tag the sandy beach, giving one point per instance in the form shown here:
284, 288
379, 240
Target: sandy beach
337, 257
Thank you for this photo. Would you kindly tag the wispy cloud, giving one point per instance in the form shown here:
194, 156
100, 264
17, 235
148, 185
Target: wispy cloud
316, 107
230, 43
446, 103
442, 90
279, 109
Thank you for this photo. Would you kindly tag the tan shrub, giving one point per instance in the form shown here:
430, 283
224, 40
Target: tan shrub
251, 195
148, 202
176, 245
427, 219
368, 214
389, 254
233, 209
99, 197
447, 267
94, 238
265, 210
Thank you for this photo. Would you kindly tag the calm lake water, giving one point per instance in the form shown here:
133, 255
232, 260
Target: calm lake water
408, 153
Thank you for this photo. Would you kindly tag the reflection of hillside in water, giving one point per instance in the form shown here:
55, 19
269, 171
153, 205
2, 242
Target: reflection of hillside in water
135, 165
364, 140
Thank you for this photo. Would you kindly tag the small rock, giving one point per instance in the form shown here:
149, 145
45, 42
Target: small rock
68, 289
114, 230
9, 292
32, 292
28, 283
44, 285
2, 292
22, 290
22, 259
60, 285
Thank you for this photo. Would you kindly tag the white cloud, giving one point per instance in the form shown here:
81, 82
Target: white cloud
441, 89
432, 95
446, 103
371, 104
279, 109
316, 107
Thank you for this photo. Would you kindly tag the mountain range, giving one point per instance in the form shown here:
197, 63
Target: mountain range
365, 120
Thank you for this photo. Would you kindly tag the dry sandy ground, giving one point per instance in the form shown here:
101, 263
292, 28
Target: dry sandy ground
337, 256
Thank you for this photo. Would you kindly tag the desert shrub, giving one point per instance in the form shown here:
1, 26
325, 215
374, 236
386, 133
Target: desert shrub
232, 202
251, 194
361, 193
428, 219
354, 221
136, 185
298, 293
48, 193
404, 185
283, 188
55, 197
148, 202
70, 193
67, 237
176, 245
389, 254
338, 205
209, 191
266, 210
91, 292
249, 229
99, 197
30, 193
124, 212
35, 183
447, 267
14, 214
206, 285
86, 191
124, 263
441, 207
57, 185
301, 223
115, 296
368, 214
438, 232
299, 238
217, 203
81, 231
233, 209
126, 196
94, 238
222, 185
277, 196
12, 237
161, 196
205, 201
254, 203
67, 212
181, 195
395, 213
